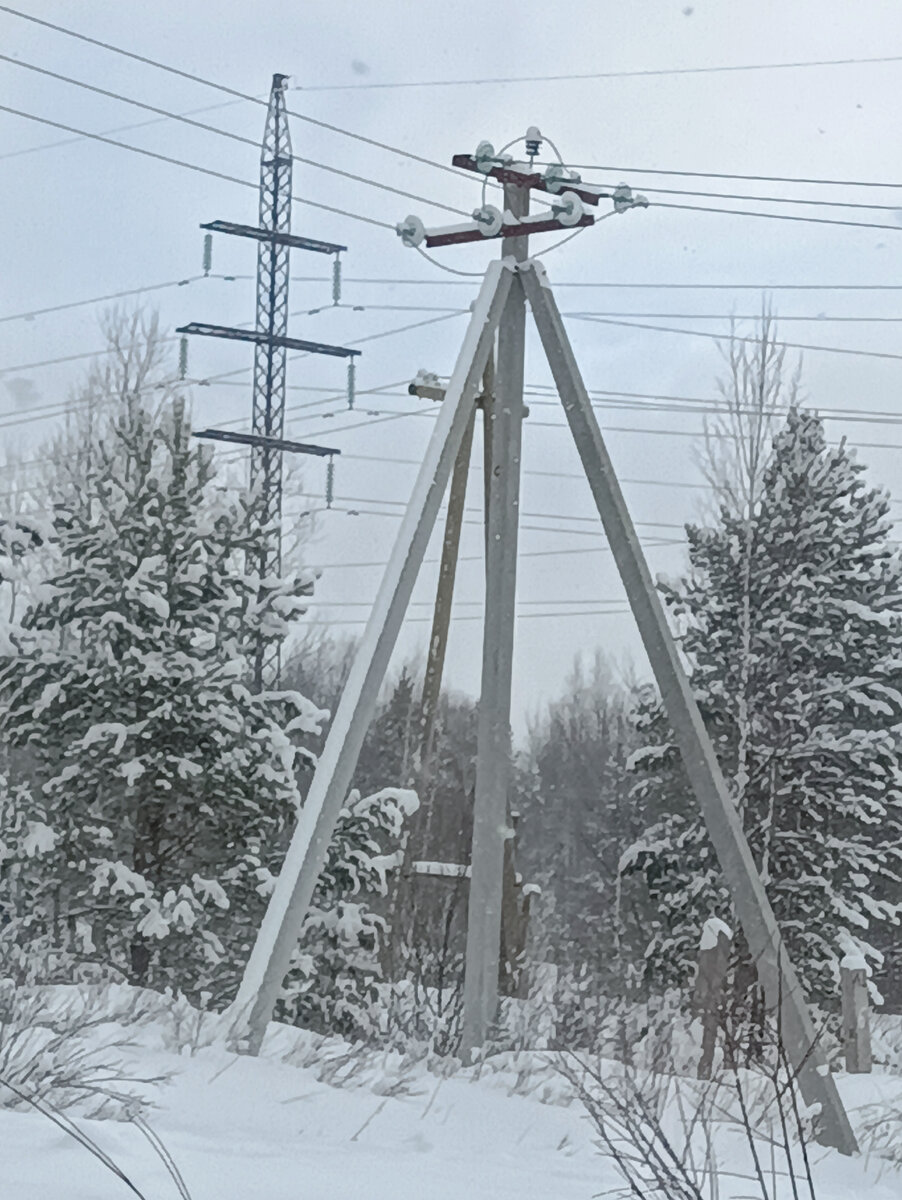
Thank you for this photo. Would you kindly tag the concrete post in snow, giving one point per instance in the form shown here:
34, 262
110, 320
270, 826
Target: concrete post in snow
856, 1029
713, 962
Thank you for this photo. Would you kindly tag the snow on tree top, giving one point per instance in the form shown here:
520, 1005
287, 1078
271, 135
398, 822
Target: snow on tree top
711, 932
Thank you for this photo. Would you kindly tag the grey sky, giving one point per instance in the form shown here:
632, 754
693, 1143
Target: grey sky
86, 219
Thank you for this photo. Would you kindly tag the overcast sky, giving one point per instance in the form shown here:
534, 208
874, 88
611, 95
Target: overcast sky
83, 219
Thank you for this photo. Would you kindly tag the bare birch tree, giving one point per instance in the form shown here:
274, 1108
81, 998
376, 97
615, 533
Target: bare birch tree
757, 387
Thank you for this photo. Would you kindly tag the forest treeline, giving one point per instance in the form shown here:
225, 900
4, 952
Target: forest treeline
148, 792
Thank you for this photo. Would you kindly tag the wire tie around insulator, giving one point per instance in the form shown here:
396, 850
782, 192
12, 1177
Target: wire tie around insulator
624, 198
352, 373
336, 279
330, 481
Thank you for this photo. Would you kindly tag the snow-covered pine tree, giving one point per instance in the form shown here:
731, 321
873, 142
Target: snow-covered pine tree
165, 786
146, 795
822, 799
333, 982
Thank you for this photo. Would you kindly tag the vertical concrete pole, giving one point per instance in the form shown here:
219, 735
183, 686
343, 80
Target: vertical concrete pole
493, 755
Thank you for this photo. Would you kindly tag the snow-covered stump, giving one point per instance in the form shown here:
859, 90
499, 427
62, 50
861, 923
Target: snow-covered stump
713, 963
856, 1028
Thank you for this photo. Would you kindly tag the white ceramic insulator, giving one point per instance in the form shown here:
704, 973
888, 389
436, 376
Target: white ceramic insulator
485, 157
569, 209
556, 178
489, 219
412, 231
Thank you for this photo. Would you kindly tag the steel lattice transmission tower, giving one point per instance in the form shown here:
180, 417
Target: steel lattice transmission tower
268, 419
272, 343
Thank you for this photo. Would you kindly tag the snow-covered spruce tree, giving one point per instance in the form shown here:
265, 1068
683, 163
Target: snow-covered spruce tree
332, 985
147, 795
821, 797
166, 786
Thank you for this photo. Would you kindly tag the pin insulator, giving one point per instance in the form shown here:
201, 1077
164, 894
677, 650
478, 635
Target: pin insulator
558, 177
336, 279
624, 198
352, 380
411, 231
569, 209
489, 219
485, 157
208, 253
533, 141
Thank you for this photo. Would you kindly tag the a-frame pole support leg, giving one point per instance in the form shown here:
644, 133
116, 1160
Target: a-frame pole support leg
493, 753
444, 597
778, 978
293, 892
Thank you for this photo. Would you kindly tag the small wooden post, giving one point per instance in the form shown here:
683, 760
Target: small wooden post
856, 1027
514, 921
713, 962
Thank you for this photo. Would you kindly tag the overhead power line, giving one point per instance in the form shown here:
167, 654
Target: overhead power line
229, 91
227, 133
336, 129
819, 318
705, 333
237, 94
133, 125
589, 612
372, 220
530, 516
621, 74
775, 216
43, 412
464, 603
150, 62
178, 162
659, 191
642, 73
29, 314
618, 283
65, 358
644, 431
865, 183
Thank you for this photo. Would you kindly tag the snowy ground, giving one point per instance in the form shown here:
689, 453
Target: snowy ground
241, 1127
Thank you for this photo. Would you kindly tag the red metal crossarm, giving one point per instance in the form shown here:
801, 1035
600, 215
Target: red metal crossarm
455, 235
521, 176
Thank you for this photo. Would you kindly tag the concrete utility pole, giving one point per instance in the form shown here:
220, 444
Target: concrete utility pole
493, 752
507, 285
